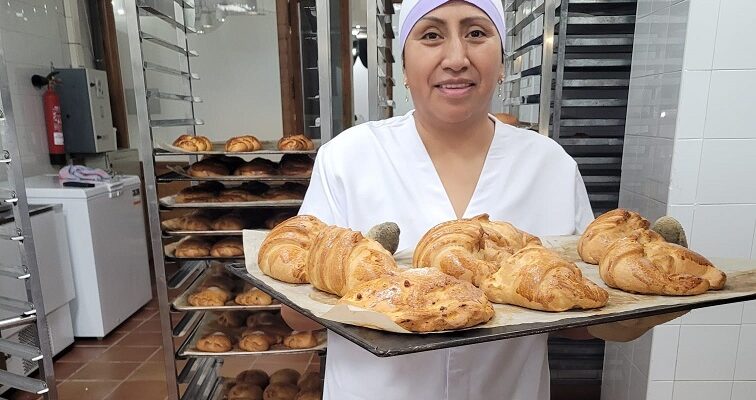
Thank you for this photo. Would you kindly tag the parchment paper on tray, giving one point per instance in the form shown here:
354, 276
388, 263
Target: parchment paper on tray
183, 171
741, 282
170, 202
268, 147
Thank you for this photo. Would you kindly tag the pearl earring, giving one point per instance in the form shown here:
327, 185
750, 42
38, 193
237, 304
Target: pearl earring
500, 82
406, 93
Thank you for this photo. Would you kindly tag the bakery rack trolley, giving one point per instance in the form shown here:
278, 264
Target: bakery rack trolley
15, 312
380, 59
198, 376
581, 99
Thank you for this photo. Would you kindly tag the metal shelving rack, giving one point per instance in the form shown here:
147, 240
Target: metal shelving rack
199, 377
581, 100
14, 312
380, 59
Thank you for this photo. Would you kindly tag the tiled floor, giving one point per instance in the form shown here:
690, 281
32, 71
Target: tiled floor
128, 364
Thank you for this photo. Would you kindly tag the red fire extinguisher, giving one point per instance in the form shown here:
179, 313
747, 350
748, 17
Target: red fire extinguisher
54, 122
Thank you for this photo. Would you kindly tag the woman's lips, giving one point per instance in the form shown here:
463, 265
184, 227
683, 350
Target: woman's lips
455, 89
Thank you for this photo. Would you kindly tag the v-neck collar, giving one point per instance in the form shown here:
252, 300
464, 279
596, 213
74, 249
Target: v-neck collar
425, 164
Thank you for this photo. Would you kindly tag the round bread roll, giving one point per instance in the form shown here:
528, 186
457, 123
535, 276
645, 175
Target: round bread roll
257, 167
245, 391
196, 223
193, 143
310, 381
207, 169
243, 144
296, 164
287, 191
310, 395
216, 342
273, 221
195, 194
255, 187
235, 196
212, 296
301, 340
231, 319
228, 222
252, 340
231, 162
280, 391
255, 377
228, 247
253, 297
286, 375
295, 143
192, 247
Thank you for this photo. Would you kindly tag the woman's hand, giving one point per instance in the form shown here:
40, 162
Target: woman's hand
631, 329
297, 321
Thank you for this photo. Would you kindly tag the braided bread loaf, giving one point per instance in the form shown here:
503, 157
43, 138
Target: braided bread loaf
503, 239
243, 143
193, 143
295, 142
538, 278
283, 253
605, 229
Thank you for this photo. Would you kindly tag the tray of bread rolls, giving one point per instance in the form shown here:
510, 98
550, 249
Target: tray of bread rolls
284, 383
446, 292
212, 194
235, 333
291, 168
209, 222
210, 248
221, 292
238, 146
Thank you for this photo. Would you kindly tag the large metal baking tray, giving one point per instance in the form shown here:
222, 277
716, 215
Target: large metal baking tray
170, 202
388, 344
207, 325
171, 247
179, 173
201, 233
181, 303
268, 147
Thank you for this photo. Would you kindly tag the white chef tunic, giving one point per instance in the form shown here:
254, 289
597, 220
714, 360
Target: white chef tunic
380, 171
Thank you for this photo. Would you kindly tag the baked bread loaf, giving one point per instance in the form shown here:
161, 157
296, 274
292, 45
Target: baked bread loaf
237, 195
457, 249
605, 229
503, 239
300, 340
310, 381
255, 340
255, 377
208, 168
231, 162
228, 247
245, 391
280, 391
310, 395
287, 191
285, 375
283, 254
253, 296
340, 259
212, 296
203, 193
537, 278
243, 144
643, 262
191, 222
273, 221
255, 187
295, 143
217, 342
228, 222
295, 164
193, 143
257, 167
231, 319
423, 300
192, 247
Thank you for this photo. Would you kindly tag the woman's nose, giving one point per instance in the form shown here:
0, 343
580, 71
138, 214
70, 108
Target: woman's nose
455, 57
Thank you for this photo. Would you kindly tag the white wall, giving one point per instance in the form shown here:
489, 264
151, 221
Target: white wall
690, 152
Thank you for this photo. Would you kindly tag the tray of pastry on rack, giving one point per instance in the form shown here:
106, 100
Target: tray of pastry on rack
222, 292
210, 248
237, 333
285, 383
210, 222
291, 168
239, 145
249, 194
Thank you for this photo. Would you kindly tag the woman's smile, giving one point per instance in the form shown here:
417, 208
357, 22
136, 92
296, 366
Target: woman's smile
455, 88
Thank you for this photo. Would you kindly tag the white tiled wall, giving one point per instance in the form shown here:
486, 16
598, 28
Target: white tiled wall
705, 79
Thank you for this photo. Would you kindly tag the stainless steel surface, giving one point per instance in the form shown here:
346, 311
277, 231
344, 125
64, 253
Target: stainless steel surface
172, 96
170, 202
560, 64
15, 271
204, 370
188, 270
17, 306
26, 384
149, 66
17, 320
158, 9
176, 122
20, 350
168, 45
325, 80
546, 74
200, 233
187, 323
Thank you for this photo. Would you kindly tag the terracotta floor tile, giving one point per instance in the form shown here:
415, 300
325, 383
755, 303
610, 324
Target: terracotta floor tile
65, 369
129, 325
158, 357
139, 338
153, 304
82, 354
85, 390
128, 354
150, 371
143, 314
139, 390
151, 325
105, 371
19, 395
107, 341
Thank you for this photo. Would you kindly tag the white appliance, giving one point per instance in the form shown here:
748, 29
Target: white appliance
108, 249
56, 278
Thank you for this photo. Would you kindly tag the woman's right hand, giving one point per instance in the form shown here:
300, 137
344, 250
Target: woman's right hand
297, 321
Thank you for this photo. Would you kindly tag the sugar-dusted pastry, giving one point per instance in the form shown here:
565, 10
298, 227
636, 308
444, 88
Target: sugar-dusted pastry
228, 247
255, 377
295, 142
253, 296
300, 340
283, 254
193, 143
243, 143
285, 375
605, 229
217, 342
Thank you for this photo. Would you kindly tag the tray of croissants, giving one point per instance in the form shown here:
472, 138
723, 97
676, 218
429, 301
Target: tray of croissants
214, 194
291, 167
284, 384
209, 222
218, 291
241, 145
479, 272
240, 333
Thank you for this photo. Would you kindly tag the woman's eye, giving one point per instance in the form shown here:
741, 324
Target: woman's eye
477, 34
431, 36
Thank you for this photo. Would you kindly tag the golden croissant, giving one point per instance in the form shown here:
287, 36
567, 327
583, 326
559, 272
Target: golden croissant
503, 239
539, 279
423, 300
193, 143
605, 229
644, 263
457, 249
243, 143
341, 259
283, 253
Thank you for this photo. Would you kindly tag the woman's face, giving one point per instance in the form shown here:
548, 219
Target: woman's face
452, 62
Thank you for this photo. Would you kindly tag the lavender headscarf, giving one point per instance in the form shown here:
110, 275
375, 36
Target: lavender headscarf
413, 10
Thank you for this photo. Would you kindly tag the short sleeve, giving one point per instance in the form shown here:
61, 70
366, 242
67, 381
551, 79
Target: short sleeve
583, 210
324, 198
